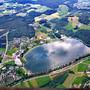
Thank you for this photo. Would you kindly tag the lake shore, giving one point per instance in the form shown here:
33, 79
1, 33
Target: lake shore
45, 48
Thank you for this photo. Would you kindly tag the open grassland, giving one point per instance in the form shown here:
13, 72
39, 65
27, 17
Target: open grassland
24, 84
82, 67
87, 62
34, 83
80, 80
69, 26
2, 49
38, 82
68, 81
85, 27
60, 86
47, 17
43, 80
10, 52
57, 81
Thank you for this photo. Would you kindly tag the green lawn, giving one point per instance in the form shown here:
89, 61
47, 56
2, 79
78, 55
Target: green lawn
29, 83
25, 84
69, 80
20, 72
80, 80
2, 49
87, 62
43, 80
42, 29
85, 27
60, 86
70, 27
58, 80
10, 52
1, 59
9, 63
74, 69
82, 67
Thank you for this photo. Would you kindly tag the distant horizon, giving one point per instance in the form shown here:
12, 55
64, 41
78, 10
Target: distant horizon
26, 1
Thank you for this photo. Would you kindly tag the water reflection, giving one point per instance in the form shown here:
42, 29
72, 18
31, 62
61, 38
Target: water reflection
49, 56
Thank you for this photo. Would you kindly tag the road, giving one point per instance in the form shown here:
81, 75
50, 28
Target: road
6, 34
3, 35
6, 43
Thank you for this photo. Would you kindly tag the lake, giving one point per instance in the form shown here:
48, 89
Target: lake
50, 56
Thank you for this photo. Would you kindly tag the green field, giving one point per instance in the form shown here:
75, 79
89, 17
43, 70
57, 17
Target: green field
85, 27
80, 80
20, 72
87, 62
58, 80
2, 49
38, 82
43, 80
24, 84
82, 27
70, 27
60, 86
10, 52
1, 59
69, 80
8, 63
82, 67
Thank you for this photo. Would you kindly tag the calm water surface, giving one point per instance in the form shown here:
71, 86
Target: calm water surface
52, 55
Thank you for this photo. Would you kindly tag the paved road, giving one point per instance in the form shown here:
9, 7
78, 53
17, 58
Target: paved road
6, 34
3, 35
6, 42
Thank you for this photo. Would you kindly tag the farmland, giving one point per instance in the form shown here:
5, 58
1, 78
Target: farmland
76, 75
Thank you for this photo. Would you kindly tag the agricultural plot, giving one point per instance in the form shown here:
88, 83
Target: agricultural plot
75, 75
57, 81
80, 80
69, 80
24, 84
38, 82
43, 80
2, 49
87, 62
82, 67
